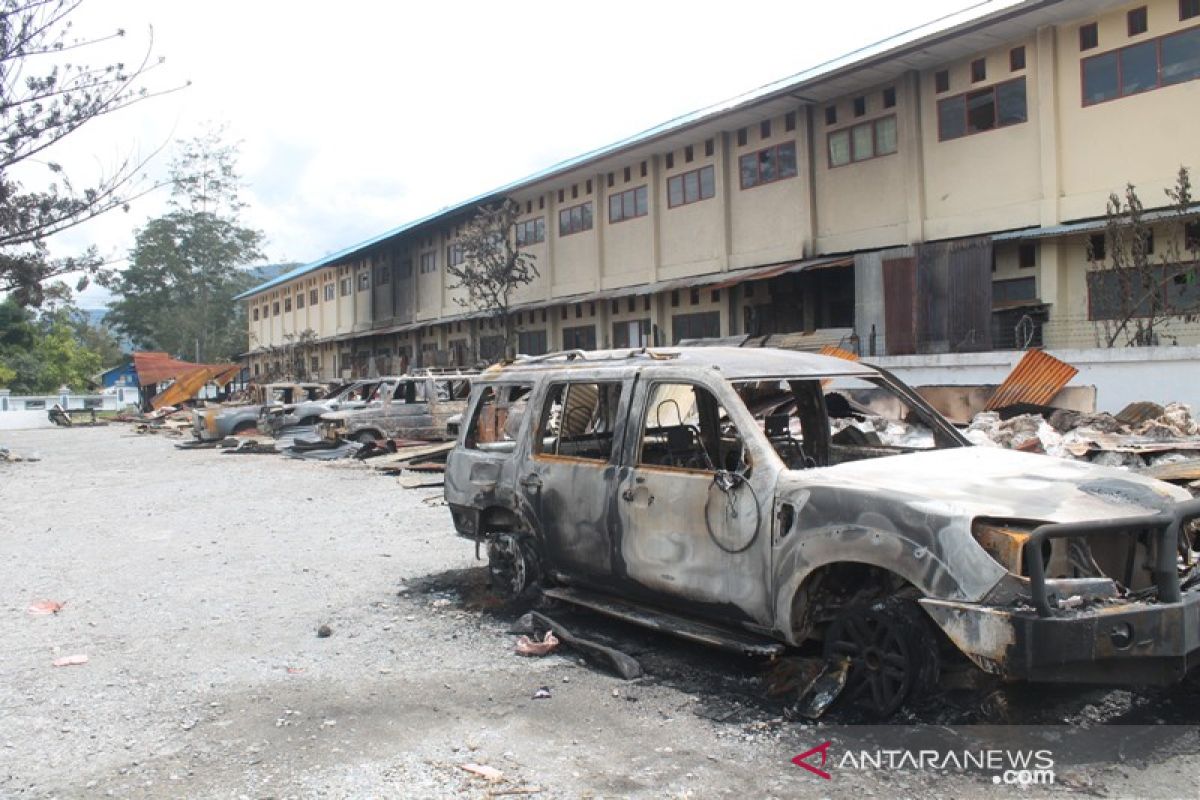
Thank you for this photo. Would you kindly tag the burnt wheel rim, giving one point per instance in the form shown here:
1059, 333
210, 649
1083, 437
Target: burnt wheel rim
883, 663
506, 562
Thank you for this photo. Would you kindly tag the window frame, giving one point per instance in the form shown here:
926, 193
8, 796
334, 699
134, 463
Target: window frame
848, 130
619, 197
576, 223
521, 231
775, 149
427, 262
642, 420
994, 89
1157, 41
681, 178
545, 397
455, 254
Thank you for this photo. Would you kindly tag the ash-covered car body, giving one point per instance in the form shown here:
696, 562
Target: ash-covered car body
719, 492
421, 406
215, 422
349, 397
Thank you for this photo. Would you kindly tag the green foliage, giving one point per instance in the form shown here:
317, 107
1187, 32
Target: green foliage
49, 94
39, 354
188, 265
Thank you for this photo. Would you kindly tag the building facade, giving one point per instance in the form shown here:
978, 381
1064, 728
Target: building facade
938, 192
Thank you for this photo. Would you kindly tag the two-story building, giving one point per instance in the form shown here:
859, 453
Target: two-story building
938, 192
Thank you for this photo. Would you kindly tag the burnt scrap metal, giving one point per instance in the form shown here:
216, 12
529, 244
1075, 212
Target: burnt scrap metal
621, 664
757, 498
1037, 378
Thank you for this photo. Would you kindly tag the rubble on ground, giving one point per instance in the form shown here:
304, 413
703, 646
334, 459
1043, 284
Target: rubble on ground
8, 456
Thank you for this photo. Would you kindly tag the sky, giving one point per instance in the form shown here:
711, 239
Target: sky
357, 117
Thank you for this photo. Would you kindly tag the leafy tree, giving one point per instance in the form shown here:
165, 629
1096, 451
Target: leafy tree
288, 361
187, 266
1140, 282
46, 96
494, 266
56, 348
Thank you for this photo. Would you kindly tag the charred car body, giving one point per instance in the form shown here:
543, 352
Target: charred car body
216, 422
756, 498
411, 407
352, 396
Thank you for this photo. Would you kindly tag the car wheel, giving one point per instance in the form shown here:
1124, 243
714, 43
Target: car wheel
512, 564
892, 650
242, 427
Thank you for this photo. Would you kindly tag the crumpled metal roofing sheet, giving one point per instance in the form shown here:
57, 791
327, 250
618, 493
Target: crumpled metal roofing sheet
1036, 379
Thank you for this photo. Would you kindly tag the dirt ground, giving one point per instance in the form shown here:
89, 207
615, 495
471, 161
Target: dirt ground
195, 583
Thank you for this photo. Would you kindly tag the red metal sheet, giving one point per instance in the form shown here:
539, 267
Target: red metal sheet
1036, 379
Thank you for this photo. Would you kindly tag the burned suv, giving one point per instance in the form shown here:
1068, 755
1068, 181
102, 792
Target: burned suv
759, 498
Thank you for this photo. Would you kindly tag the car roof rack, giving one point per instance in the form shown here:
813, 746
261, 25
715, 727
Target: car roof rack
594, 356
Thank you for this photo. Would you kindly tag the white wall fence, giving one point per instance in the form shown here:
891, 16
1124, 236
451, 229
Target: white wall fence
1120, 375
19, 412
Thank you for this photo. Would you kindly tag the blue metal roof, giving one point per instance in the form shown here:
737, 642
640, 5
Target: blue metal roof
943, 25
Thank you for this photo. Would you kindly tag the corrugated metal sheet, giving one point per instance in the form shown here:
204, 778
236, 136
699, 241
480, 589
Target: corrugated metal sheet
1036, 379
954, 296
1087, 226
156, 367
900, 305
837, 352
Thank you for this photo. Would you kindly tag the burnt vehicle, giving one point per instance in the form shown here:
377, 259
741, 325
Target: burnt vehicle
215, 422
756, 499
348, 397
425, 407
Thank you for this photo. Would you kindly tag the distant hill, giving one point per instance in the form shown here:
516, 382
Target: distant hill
266, 272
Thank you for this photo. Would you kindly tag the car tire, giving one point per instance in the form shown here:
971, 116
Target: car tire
513, 566
242, 427
893, 654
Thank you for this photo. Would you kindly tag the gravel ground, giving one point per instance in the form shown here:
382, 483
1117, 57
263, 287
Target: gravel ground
195, 583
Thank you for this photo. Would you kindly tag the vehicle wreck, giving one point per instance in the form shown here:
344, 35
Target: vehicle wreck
738, 498
421, 407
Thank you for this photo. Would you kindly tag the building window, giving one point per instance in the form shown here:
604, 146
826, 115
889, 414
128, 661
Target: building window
383, 275
1026, 255
1135, 21
863, 141
764, 129
831, 115
628, 204
860, 106
691, 187
705, 325
670, 161
643, 169
455, 255
329, 291
531, 231
975, 112
275, 309
631, 333
575, 219
287, 303
941, 80
1188, 9
1016, 59
979, 70
1089, 36
1141, 67
1014, 290
889, 97
694, 296
1119, 293
313, 297
428, 263
532, 343
609, 180
789, 121
255, 313
709, 147
768, 165
675, 298
345, 286
1191, 235
1096, 247
364, 280
316, 365
741, 137
689, 154
300, 299
580, 338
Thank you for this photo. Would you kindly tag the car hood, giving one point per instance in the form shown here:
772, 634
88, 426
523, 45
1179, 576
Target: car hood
230, 411
992, 482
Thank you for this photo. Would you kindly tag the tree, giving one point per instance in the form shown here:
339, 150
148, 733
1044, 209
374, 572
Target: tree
58, 347
493, 266
187, 266
45, 99
1140, 282
288, 361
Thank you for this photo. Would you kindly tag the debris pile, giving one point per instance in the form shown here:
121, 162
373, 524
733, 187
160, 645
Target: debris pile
1141, 435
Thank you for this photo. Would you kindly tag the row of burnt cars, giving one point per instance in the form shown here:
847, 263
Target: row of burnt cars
425, 406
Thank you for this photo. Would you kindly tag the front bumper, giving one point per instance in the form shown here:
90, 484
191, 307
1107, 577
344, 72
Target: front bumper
1115, 642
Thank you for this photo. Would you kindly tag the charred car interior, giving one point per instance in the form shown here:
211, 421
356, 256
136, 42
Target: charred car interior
761, 500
